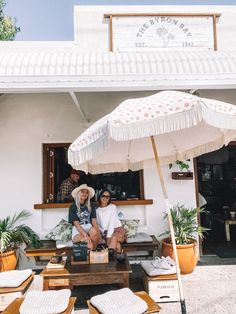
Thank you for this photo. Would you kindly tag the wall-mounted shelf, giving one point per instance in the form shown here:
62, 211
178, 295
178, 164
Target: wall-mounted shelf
118, 203
182, 175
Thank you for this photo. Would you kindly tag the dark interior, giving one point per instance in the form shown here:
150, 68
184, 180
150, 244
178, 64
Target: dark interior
217, 184
122, 185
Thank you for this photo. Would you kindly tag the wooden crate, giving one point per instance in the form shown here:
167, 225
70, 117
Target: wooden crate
162, 288
98, 257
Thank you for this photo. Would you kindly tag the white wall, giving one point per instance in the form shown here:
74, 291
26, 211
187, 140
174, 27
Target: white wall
92, 30
27, 121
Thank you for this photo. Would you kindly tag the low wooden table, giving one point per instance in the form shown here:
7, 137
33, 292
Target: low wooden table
151, 247
48, 248
87, 274
14, 307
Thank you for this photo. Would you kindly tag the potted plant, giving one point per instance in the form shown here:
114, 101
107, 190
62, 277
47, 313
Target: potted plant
186, 232
12, 235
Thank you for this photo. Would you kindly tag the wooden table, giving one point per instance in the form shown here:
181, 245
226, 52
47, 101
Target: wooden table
152, 246
14, 307
87, 274
227, 222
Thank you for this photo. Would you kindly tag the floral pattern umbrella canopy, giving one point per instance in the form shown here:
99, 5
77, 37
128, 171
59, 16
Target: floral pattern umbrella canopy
184, 126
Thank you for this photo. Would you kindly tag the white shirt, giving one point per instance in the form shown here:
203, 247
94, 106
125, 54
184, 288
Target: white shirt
107, 218
201, 200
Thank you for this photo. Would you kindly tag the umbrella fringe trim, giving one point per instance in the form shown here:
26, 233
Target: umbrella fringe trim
218, 119
202, 149
161, 125
75, 158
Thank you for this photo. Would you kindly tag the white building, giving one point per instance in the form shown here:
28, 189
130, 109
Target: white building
44, 85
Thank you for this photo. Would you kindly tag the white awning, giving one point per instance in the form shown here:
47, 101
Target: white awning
58, 69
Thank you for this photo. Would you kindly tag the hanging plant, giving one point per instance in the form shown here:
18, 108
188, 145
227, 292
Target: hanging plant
183, 165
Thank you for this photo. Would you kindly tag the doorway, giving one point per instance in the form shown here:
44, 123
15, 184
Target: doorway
217, 185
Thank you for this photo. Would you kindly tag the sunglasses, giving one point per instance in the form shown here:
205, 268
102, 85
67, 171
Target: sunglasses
105, 196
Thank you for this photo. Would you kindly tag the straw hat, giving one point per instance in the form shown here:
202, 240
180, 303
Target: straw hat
83, 187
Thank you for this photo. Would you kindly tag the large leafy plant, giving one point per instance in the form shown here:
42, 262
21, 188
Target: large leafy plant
8, 28
12, 235
185, 224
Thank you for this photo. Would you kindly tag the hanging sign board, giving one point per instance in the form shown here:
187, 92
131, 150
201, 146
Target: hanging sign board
147, 33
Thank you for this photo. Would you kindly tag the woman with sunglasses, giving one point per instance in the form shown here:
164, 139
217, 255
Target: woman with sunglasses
83, 217
109, 223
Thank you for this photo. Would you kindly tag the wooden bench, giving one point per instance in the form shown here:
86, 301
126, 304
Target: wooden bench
49, 248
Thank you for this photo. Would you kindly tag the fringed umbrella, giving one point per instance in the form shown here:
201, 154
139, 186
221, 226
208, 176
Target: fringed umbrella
181, 125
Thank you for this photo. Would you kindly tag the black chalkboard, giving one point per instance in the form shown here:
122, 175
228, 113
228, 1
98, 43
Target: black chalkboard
80, 250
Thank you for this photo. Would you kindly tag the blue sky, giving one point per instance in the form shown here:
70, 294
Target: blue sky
53, 19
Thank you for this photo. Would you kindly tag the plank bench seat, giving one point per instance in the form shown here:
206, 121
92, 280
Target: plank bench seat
49, 248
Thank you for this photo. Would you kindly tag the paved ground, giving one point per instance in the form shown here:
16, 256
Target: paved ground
208, 290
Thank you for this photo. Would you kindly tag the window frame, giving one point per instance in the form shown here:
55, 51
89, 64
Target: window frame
49, 172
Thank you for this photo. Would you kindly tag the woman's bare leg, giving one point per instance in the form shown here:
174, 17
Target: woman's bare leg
94, 236
112, 242
120, 239
80, 238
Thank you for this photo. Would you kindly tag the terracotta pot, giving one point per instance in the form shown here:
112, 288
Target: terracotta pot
187, 255
8, 261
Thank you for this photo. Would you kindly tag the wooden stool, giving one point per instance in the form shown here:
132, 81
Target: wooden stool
152, 306
8, 295
162, 288
22, 288
14, 307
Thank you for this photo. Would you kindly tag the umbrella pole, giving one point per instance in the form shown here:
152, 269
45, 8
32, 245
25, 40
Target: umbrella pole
182, 300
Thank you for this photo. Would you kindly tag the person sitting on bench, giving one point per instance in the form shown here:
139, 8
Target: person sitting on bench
83, 217
109, 223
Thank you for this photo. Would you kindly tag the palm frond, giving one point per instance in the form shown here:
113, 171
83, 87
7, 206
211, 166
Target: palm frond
17, 217
5, 240
185, 224
13, 235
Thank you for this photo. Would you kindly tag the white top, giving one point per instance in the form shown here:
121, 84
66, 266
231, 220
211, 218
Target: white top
107, 218
201, 200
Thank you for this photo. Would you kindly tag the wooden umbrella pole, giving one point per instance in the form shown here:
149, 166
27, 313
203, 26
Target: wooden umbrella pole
158, 165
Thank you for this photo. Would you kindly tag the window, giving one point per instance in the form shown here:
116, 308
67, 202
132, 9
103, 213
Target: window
123, 185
